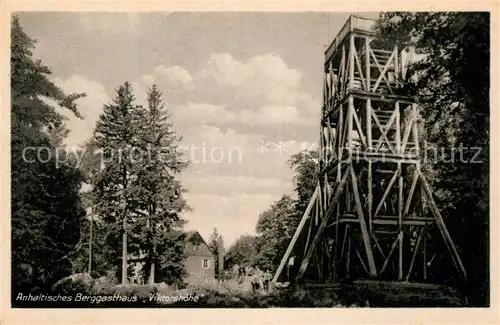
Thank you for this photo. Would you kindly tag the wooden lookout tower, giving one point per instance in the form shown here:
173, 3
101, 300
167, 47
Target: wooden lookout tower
372, 214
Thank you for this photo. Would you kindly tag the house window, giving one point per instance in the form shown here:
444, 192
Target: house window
205, 263
196, 247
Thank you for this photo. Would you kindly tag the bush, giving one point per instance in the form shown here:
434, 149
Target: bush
164, 289
230, 294
103, 286
80, 282
140, 291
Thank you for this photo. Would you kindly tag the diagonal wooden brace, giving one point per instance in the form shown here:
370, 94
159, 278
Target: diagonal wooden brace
305, 217
322, 226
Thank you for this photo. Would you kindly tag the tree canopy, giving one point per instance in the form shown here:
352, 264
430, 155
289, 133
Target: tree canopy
46, 207
452, 84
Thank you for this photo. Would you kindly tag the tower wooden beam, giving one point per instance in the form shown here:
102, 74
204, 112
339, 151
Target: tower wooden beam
369, 136
296, 235
321, 227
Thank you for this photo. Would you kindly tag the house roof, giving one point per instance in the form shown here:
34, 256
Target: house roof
190, 234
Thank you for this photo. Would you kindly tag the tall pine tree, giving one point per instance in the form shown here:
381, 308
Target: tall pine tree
160, 193
46, 208
117, 136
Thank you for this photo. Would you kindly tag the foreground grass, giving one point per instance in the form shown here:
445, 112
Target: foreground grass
86, 292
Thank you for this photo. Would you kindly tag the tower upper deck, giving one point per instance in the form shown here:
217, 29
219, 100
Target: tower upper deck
362, 62
354, 24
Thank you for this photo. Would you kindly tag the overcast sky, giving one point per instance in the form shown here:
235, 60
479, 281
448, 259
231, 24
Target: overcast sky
237, 85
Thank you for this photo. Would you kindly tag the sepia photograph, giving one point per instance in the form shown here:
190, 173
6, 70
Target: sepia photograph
249, 159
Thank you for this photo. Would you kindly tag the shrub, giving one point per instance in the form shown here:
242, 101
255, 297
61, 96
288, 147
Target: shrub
103, 286
223, 301
80, 282
165, 290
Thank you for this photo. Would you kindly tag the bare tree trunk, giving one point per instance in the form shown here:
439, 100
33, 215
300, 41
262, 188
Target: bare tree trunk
151, 279
90, 242
124, 237
124, 253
